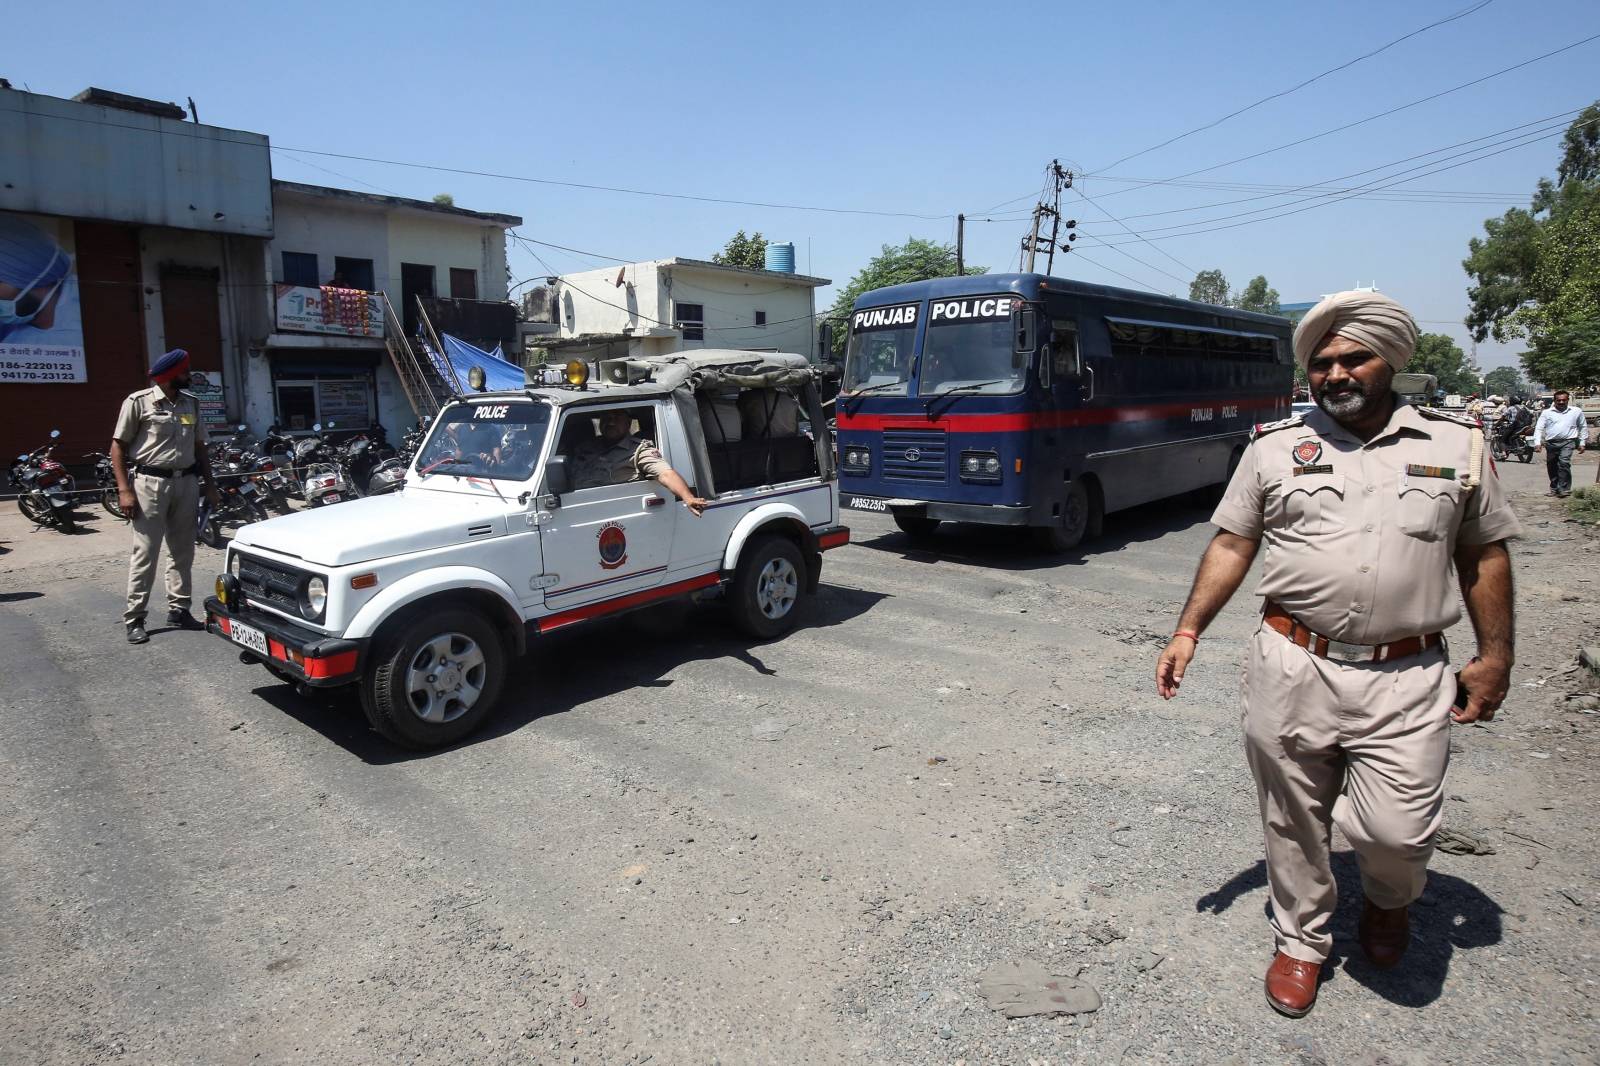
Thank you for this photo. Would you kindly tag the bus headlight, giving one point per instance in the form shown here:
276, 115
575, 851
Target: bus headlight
856, 458
980, 466
315, 597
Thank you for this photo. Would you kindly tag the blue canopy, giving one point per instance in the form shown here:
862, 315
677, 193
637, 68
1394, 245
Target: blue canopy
498, 375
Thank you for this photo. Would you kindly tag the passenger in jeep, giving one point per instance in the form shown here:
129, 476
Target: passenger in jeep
617, 457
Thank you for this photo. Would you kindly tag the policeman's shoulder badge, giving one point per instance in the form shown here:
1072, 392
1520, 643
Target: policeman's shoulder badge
1460, 419
1272, 427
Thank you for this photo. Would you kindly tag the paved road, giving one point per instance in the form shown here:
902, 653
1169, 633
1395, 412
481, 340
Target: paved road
675, 847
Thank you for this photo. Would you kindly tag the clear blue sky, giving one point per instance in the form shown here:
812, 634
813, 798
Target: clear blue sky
928, 109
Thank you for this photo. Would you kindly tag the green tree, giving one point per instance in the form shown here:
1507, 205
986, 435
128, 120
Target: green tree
1258, 296
444, 199
1442, 357
741, 251
1209, 287
1505, 381
915, 260
1536, 272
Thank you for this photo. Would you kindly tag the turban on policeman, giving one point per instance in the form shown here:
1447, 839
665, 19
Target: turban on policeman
1371, 319
172, 365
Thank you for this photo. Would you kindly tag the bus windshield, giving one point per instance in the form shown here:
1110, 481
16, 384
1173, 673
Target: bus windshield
501, 441
970, 347
881, 343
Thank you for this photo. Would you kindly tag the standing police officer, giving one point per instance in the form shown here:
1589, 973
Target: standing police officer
1365, 505
161, 436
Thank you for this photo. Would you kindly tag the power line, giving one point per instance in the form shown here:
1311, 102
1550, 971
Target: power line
1381, 114
1125, 226
1142, 284
1322, 185
1296, 88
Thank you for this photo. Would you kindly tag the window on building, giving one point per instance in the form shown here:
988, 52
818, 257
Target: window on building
761, 319
691, 319
463, 284
356, 273
300, 268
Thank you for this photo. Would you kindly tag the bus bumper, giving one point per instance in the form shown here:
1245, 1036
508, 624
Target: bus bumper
988, 514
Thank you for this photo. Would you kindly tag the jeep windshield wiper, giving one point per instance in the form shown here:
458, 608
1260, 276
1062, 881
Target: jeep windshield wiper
871, 388
960, 391
449, 460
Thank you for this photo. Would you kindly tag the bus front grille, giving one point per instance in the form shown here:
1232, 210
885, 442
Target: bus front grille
914, 455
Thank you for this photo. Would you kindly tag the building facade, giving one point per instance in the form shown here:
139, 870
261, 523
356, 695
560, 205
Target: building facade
666, 305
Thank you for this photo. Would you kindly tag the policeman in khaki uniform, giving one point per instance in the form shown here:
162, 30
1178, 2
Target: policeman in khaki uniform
161, 437
1366, 506
617, 457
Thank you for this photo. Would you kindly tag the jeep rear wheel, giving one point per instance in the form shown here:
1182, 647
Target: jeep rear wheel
767, 587
434, 678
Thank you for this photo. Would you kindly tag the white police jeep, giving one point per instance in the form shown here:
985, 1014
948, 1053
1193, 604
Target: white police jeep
423, 597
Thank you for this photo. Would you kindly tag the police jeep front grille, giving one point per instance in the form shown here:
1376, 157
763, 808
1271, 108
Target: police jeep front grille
914, 455
270, 583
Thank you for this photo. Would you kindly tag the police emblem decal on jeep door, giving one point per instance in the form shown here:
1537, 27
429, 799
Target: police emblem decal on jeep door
613, 543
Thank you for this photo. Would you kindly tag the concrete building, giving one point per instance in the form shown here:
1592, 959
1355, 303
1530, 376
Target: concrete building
666, 305
328, 363
126, 231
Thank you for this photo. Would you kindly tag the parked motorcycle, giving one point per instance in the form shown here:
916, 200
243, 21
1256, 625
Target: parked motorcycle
106, 482
261, 470
324, 480
44, 488
390, 474
238, 507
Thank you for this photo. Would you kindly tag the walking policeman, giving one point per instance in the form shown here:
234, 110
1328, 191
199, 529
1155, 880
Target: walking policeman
1365, 505
158, 453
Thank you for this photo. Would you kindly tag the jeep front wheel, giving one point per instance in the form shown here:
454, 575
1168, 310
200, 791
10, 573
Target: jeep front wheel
767, 587
434, 678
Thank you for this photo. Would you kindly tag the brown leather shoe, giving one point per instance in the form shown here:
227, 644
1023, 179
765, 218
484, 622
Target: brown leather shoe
1384, 934
1292, 985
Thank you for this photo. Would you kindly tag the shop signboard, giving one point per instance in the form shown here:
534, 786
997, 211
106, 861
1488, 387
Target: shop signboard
339, 312
207, 388
41, 326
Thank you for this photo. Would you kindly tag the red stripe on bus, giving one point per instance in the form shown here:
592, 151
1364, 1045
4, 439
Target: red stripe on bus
622, 603
1018, 422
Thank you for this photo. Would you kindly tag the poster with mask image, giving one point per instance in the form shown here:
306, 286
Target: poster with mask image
41, 327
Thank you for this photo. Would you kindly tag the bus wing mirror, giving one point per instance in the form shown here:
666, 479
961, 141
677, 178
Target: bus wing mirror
1024, 329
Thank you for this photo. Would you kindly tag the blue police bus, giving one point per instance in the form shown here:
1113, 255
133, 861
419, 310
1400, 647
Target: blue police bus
1026, 400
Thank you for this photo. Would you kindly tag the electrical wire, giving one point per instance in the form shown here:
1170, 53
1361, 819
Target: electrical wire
1296, 88
1374, 117
1142, 284
1125, 226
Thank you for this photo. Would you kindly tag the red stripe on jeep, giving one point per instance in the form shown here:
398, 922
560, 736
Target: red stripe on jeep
836, 539
622, 603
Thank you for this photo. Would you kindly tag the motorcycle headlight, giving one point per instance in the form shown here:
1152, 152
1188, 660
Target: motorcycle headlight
315, 597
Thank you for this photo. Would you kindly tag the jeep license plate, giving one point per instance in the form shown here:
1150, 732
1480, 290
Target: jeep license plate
249, 637
866, 503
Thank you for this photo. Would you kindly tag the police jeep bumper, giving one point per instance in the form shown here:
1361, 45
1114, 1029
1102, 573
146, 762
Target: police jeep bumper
989, 514
294, 652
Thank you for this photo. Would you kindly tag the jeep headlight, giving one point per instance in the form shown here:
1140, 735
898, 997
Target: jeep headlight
315, 597
233, 563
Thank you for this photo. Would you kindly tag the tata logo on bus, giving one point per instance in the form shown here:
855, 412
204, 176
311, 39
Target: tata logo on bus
970, 309
897, 317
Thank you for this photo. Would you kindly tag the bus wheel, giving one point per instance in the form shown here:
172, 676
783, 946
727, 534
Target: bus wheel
1068, 531
915, 526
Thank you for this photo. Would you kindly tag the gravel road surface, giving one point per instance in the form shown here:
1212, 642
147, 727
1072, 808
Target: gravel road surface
674, 847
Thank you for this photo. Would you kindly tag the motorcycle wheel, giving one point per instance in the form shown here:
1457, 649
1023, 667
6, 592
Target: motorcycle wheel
1526, 456
36, 510
108, 500
278, 499
66, 521
211, 533
258, 511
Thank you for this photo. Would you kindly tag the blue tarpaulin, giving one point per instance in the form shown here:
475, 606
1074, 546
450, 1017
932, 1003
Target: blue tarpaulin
497, 373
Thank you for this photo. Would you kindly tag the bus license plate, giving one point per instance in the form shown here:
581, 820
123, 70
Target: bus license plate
866, 503
248, 636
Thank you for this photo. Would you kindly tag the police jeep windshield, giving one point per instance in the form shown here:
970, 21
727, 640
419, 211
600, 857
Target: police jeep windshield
881, 343
498, 440
969, 347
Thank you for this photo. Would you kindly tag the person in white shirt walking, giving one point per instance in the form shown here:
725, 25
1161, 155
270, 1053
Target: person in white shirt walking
1559, 431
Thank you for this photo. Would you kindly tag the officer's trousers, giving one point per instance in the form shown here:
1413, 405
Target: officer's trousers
168, 509
1363, 746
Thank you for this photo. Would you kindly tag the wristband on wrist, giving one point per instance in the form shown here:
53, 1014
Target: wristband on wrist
1191, 634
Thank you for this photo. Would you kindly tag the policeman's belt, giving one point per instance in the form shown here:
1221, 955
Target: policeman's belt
1281, 621
158, 471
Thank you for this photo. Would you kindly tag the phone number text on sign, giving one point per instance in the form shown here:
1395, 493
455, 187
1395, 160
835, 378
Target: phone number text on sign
41, 370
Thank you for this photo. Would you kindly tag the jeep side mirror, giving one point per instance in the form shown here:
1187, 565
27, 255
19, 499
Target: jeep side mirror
557, 478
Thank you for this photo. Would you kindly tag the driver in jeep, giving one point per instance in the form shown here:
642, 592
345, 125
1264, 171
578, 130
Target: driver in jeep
617, 457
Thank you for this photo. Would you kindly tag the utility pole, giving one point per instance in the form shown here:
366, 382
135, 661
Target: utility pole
961, 237
1060, 178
